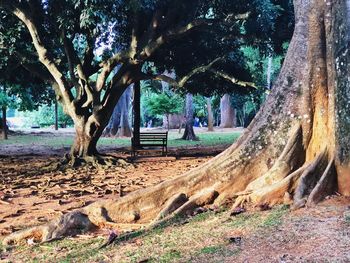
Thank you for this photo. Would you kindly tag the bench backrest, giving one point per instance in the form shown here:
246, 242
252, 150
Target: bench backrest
149, 136
152, 138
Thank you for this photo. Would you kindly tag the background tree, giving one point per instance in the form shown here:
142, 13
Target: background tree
164, 104
5, 101
210, 115
227, 112
119, 124
189, 134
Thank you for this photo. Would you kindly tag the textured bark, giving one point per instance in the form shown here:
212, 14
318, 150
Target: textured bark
189, 132
175, 121
228, 114
113, 125
210, 115
340, 62
119, 124
295, 151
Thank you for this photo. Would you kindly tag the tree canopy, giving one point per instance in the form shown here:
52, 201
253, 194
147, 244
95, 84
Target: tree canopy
63, 43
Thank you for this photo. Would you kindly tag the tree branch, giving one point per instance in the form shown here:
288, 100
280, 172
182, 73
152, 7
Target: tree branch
233, 80
88, 68
182, 82
195, 71
107, 67
41, 49
150, 48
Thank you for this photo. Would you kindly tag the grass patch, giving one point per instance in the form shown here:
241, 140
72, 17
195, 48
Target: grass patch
275, 217
170, 256
61, 140
203, 238
347, 217
211, 250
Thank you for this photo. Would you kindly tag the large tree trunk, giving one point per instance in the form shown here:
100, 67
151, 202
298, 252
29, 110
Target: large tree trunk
296, 150
228, 114
210, 115
113, 124
175, 120
189, 132
86, 137
89, 127
119, 124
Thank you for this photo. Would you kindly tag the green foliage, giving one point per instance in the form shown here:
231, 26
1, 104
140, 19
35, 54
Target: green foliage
106, 26
45, 116
164, 104
5, 100
200, 106
257, 64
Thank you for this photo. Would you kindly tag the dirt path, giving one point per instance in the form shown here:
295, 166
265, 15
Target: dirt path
320, 234
29, 195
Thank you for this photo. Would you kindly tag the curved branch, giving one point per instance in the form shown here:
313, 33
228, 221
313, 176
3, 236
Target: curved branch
41, 49
181, 83
233, 79
149, 49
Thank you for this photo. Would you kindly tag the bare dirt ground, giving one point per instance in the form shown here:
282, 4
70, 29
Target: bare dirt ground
320, 234
30, 194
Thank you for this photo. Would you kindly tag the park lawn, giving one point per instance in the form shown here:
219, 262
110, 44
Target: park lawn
202, 238
63, 140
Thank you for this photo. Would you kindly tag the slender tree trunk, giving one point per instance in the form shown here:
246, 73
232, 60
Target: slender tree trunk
168, 121
189, 132
4, 124
56, 115
137, 111
210, 115
296, 150
4, 120
269, 72
227, 112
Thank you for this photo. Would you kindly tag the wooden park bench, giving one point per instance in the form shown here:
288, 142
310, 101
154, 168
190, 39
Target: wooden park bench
150, 141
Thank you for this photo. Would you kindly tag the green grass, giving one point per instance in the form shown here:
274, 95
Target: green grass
204, 238
275, 218
58, 140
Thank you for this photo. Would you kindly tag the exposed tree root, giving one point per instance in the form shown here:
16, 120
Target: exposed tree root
174, 203
97, 161
309, 179
70, 224
325, 186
